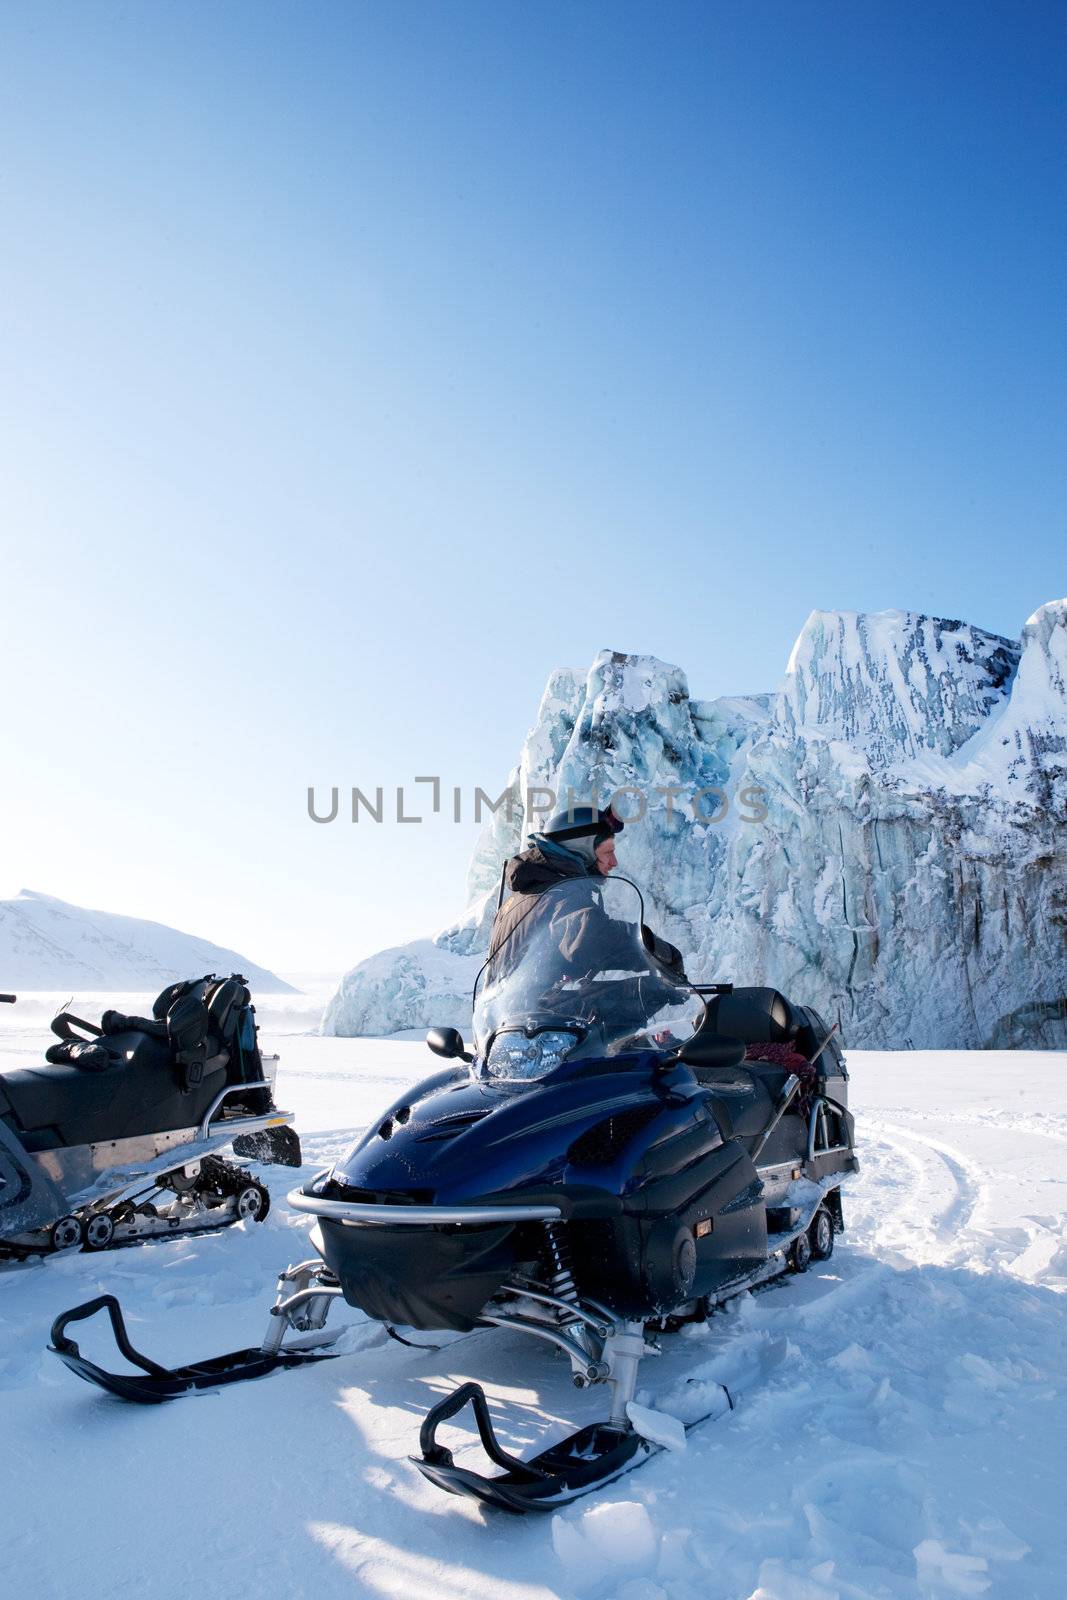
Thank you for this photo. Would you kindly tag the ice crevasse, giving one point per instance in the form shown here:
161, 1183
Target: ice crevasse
909, 877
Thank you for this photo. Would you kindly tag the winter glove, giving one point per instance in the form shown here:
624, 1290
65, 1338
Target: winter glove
663, 952
84, 1053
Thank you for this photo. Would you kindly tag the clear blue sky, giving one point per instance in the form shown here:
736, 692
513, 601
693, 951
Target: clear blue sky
361, 362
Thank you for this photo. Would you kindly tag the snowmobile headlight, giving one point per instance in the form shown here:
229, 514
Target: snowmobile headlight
515, 1056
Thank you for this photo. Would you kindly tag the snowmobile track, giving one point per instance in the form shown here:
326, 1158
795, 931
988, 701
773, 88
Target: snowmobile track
946, 1190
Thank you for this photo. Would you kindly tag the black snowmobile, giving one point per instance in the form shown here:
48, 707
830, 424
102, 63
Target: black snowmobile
116, 1138
622, 1152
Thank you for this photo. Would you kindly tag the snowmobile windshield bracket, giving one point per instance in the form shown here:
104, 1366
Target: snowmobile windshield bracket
103, 1302
439, 1456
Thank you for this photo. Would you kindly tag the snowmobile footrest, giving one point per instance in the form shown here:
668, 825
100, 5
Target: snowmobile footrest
155, 1383
591, 1457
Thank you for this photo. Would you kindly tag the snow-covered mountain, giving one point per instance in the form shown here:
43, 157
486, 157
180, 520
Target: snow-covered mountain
47, 944
909, 877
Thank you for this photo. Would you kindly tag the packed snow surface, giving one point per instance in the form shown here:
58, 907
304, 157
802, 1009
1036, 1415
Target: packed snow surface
46, 943
898, 1423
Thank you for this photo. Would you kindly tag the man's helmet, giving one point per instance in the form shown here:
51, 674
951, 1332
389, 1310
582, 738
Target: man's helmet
582, 822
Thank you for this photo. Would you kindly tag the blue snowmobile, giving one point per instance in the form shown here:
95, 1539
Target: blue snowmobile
621, 1152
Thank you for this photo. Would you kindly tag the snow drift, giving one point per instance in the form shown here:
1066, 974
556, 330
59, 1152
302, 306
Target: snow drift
909, 877
46, 943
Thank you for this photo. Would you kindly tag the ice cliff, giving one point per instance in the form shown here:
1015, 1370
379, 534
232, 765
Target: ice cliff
909, 876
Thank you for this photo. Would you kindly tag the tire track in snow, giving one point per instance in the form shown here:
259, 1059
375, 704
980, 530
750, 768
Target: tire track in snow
1031, 1124
932, 1220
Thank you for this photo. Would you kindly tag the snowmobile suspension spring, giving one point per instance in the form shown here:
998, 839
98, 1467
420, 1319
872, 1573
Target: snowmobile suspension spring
561, 1279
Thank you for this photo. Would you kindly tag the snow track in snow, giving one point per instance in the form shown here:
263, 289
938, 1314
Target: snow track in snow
941, 1198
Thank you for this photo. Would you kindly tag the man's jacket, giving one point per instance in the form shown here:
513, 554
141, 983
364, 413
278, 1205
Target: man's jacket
575, 928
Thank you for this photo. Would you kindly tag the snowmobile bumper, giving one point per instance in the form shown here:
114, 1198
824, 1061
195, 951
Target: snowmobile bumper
154, 1383
575, 1466
422, 1266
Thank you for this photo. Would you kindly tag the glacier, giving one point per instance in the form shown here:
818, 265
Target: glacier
908, 877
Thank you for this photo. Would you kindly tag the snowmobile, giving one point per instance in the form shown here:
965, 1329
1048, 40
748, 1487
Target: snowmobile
621, 1152
116, 1138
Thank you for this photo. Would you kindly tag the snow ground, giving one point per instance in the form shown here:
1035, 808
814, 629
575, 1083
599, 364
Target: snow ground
898, 1431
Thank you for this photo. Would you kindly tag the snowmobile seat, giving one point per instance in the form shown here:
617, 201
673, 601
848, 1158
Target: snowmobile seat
772, 1076
138, 1092
746, 1100
758, 1016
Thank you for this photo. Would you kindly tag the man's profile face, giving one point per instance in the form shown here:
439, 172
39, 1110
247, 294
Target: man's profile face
606, 859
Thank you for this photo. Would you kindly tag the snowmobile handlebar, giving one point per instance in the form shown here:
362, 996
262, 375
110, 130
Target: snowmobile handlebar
7, 999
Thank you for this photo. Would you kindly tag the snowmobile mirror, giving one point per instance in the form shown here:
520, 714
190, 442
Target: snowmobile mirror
712, 1050
447, 1042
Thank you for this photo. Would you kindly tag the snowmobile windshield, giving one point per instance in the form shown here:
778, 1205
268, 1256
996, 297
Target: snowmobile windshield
572, 979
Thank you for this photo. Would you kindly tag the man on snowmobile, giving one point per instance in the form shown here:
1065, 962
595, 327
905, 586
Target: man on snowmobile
574, 844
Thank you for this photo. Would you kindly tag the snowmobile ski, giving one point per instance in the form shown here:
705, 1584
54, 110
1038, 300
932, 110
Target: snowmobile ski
588, 1460
303, 1312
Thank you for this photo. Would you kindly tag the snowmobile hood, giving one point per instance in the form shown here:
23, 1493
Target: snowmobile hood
458, 1140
